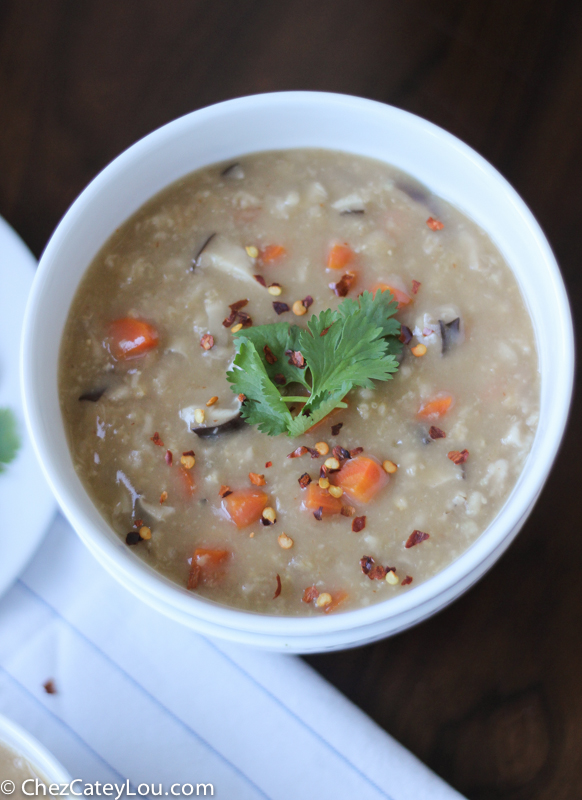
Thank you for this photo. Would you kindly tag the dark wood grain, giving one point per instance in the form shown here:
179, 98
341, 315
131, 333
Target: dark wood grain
489, 692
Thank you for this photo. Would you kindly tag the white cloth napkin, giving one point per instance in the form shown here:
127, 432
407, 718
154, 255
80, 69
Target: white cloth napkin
141, 698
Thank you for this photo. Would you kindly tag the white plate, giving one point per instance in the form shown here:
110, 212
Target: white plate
26, 503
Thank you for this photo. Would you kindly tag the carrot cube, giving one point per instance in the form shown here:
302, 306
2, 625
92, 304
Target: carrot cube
245, 506
315, 498
361, 478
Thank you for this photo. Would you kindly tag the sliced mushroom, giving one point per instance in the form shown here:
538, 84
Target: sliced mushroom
209, 432
225, 256
233, 171
450, 334
94, 395
201, 249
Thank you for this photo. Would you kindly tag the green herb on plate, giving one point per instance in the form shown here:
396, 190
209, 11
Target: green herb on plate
9, 438
353, 346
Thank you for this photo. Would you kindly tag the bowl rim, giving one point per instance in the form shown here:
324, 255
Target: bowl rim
26, 745
115, 555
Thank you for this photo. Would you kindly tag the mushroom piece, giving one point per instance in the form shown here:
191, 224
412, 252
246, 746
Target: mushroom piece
451, 334
213, 431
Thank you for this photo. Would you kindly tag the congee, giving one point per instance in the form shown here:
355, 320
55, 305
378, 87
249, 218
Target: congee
16, 768
300, 383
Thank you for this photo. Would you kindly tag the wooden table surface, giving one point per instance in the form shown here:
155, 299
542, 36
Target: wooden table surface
489, 692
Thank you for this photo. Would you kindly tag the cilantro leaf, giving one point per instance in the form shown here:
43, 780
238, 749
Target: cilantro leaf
279, 337
9, 438
249, 376
353, 346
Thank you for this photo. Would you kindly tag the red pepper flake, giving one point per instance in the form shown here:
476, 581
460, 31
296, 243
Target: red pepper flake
348, 511
458, 457
169, 458
318, 514
307, 301
356, 452
416, 537
138, 523
358, 524
313, 452
405, 334
224, 491
244, 319
163, 497
256, 479
280, 379
436, 433
268, 464
156, 439
323, 471
270, 357
310, 594
207, 341
342, 287
189, 453
406, 581
434, 224
235, 312
375, 572
335, 429
304, 480
325, 330
49, 686
241, 397
340, 453
132, 538
416, 286
261, 280
279, 307
278, 589
300, 451
296, 358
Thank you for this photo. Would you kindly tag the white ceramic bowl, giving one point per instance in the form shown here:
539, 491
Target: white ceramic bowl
43, 762
225, 132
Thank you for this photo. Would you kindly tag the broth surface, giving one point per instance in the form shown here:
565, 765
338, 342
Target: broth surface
133, 411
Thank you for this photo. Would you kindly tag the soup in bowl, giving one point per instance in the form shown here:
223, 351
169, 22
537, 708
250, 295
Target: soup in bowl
304, 379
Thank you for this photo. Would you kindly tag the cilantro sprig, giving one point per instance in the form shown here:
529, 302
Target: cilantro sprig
352, 346
9, 439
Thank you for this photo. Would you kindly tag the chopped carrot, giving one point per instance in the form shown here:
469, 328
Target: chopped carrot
401, 297
245, 506
337, 598
315, 498
129, 338
435, 408
205, 566
340, 256
272, 252
361, 478
187, 482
